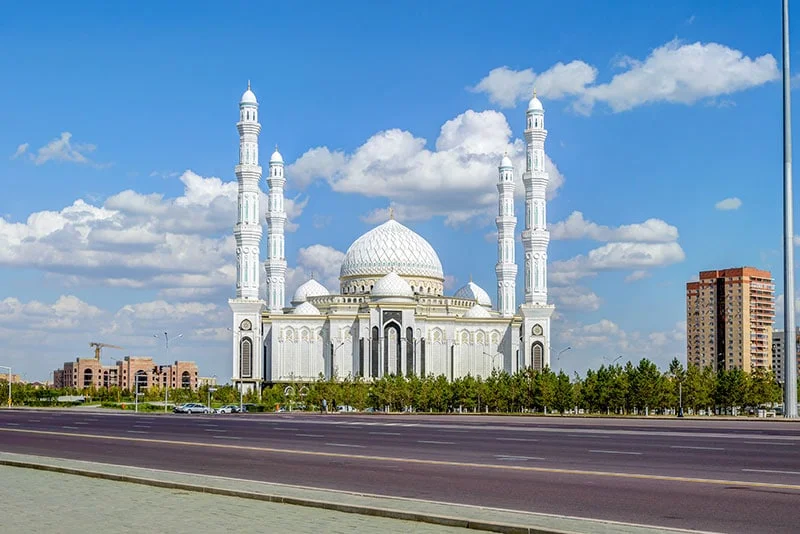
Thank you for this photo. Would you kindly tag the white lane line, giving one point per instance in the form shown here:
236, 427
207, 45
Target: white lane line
13, 424
511, 458
584, 436
456, 431
285, 428
345, 445
776, 471
436, 442
782, 444
227, 437
80, 423
516, 439
385, 433
34, 420
696, 448
136, 432
309, 435
70, 427
615, 452
214, 430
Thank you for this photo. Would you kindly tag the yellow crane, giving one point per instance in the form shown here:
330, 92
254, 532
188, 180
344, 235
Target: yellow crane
97, 346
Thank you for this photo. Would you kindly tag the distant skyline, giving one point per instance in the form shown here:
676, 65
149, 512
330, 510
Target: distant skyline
664, 148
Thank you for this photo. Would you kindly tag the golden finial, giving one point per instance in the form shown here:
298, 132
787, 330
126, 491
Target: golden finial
391, 213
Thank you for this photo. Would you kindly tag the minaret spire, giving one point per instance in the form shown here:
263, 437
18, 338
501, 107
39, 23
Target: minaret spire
506, 268
275, 266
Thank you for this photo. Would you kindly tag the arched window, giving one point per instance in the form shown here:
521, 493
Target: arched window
246, 358
537, 355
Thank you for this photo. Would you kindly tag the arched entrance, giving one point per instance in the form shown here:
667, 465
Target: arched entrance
392, 354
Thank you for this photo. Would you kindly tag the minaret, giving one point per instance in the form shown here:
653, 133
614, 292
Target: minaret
535, 238
247, 307
275, 266
535, 349
506, 267
248, 228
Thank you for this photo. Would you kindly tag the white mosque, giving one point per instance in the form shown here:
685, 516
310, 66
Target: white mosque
390, 316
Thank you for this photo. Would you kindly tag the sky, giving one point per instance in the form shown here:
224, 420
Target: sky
119, 144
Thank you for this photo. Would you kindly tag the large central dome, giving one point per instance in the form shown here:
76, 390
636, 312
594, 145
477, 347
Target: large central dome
391, 247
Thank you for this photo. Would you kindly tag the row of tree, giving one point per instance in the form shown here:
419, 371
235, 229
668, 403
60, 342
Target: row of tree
628, 389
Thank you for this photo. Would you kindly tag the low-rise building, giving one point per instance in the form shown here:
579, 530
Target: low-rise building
126, 373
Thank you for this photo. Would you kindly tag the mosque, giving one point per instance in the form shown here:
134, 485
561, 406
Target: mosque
390, 316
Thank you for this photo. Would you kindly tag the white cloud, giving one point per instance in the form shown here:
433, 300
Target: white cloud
576, 227
318, 261
63, 149
21, 149
455, 181
615, 256
637, 275
727, 204
576, 298
505, 86
675, 72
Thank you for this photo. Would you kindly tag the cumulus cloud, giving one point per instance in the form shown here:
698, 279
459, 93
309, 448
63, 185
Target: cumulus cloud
320, 262
675, 72
637, 275
456, 180
576, 227
728, 204
576, 298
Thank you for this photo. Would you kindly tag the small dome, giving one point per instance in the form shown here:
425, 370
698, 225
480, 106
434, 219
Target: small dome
276, 157
312, 288
306, 308
535, 104
249, 97
391, 285
477, 312
506, 163
474, 292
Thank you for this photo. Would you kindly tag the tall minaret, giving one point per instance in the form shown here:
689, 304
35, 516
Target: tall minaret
506, 267
248, 173
247, 307
275, 266
535, 239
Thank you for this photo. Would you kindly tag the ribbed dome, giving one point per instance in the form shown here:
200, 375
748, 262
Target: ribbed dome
475, 292
391, 247
306, 308
477, 312
312, 288
392, 285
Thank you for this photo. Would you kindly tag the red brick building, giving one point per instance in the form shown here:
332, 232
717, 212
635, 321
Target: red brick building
88, 372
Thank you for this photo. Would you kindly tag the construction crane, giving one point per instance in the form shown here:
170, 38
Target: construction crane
97, 346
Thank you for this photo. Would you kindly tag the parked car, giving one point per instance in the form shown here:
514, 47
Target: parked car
192, 407
228, 408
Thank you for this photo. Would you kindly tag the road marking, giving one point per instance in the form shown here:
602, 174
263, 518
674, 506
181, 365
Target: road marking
81, 423
696, 448
285, 428
345, 445
226, 437
34, 420
456, 431
783, 444
215, 430
511, 457
516, 439
14, 424
772, 471
385, 433
137, 432
309, 435
615, 452
417, 461
70, 427
436, 442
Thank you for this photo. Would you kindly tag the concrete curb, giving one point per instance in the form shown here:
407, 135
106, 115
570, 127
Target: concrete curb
326, 505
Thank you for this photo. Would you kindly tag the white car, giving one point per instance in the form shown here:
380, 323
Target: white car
193, 407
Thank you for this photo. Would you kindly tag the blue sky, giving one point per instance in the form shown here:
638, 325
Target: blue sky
120, 142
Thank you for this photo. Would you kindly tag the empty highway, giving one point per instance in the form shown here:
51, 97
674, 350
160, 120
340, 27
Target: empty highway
722, 476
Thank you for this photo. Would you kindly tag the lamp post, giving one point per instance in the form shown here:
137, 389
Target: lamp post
494, 358
333, 359
612, 362
558, 355
166, 348
9, 382
210, 391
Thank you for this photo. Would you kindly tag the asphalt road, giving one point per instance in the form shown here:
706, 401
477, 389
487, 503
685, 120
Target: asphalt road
722, 476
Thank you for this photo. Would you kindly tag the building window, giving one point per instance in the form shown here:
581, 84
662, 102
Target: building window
246, 355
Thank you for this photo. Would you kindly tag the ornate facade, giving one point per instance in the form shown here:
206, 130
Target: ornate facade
390, 315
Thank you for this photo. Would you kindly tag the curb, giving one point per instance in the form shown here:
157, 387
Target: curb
326, 505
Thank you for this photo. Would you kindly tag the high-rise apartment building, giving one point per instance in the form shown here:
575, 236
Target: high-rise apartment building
729, 318
778, 350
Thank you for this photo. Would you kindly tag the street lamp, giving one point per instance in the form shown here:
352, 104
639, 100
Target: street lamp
166, 345
612, 362
333, 359
210, 391
9, 383
493, 357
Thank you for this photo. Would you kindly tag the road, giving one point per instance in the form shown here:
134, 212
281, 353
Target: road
722, 476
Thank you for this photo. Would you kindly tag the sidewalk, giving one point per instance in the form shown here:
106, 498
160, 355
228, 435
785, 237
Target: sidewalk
51, 495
